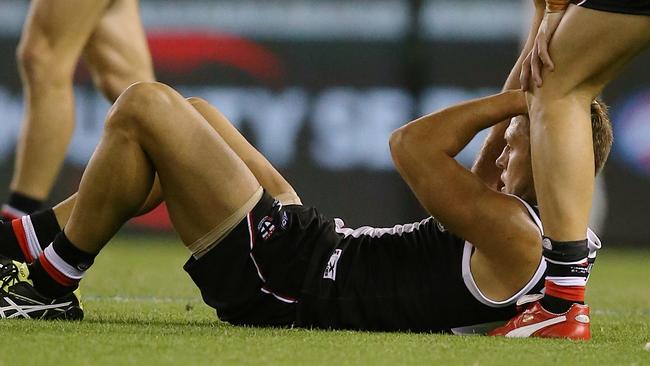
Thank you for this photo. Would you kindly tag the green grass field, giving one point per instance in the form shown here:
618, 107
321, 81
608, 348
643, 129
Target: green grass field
142, 309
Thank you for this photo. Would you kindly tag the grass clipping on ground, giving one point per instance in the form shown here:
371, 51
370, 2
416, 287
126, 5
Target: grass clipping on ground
142, 309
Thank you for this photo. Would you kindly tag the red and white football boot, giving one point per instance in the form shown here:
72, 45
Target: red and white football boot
537, 322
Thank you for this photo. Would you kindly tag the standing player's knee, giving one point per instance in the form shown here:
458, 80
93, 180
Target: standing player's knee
39, 65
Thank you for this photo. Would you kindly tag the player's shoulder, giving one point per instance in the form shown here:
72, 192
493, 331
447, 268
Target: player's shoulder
530, 209
508, 209
508, 219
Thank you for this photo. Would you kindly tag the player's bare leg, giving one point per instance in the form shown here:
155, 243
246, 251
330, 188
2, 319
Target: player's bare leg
54, 37
588, 49
150, 129
156, 130
63, 210
117, 53
268, 177
272, 181
265, 173
44, 225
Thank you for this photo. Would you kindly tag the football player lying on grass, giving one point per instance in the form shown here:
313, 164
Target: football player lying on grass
261, 258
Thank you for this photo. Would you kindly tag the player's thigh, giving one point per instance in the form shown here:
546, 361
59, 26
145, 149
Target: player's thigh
117, 53
202, 178
272, 181
59, 29
591, 47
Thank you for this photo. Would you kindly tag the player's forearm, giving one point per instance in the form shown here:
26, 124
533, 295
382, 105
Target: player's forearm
448, 131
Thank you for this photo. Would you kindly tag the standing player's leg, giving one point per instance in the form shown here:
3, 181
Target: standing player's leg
589, 48
117, 53
150, 129
53, 37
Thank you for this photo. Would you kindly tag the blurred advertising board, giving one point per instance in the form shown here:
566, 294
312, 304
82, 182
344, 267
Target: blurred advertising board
318, 86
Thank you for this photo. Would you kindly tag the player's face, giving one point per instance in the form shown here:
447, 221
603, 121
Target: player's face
515, 163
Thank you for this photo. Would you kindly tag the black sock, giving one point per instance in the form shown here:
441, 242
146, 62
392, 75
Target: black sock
24, 203
42, 224
557, 305
46, 226
9, 246
60, 267
567, 271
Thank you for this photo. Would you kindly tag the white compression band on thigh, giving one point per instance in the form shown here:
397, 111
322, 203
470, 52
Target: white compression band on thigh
289, 198
214, 236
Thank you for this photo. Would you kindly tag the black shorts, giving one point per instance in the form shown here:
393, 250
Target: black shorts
634, 7
290, 265
254, 276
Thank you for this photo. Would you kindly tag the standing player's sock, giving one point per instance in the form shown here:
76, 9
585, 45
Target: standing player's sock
24, 239
567, 271
19, 205
60, 267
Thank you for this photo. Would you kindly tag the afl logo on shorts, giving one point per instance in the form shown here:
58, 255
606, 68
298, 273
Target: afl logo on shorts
330, 269
284, 223
266, 228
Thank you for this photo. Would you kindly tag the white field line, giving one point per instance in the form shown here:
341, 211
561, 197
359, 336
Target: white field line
645, 312
145, 299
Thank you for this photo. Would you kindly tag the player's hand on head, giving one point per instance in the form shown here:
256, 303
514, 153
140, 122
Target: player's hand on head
539, 57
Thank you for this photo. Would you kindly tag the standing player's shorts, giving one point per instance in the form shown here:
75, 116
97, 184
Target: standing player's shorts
634, 7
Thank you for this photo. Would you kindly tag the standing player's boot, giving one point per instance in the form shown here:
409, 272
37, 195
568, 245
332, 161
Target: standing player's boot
560, 313
537, 322
19, 299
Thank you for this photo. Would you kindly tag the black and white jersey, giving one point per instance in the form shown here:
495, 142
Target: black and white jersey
292, 266
414, 277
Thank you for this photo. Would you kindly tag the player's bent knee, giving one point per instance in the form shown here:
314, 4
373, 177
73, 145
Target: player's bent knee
145, 96
135, 107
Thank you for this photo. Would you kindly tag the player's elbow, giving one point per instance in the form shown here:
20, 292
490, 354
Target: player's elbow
398, 144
